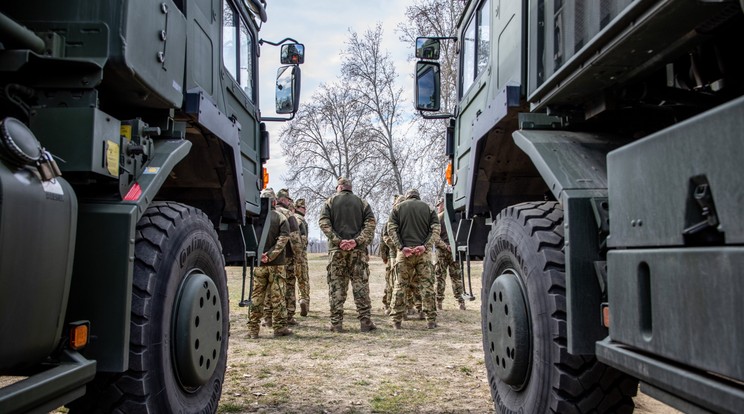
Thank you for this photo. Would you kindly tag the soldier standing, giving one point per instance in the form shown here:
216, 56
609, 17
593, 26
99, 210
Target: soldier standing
349, 224
269, 279
387, 254
303, 280
414, 228
446, 263
286, 207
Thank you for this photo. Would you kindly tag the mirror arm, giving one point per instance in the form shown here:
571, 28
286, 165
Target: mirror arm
281, 42
274, 119
437, 116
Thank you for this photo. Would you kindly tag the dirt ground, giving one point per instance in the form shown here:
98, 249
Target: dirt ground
413, 370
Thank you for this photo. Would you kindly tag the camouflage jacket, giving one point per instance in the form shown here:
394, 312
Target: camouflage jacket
295, 243
276, 240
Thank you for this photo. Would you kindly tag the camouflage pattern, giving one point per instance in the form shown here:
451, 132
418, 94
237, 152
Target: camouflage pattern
269, 285
293, 246
446, 263
344, 267
301, 267
291, 279
347, 218
414, 224
410, 271
388, 253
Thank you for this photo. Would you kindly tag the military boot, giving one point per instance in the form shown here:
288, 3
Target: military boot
462, 305
283, 332
431, 325
367, 325
291, 321
439, 305
397, 326
304, 307
337, 327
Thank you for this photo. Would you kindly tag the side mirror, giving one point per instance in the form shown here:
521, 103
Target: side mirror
427, 48
293, 54
287, 89
428, 83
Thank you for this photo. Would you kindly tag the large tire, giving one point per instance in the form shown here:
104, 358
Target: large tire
524, 323
179, 327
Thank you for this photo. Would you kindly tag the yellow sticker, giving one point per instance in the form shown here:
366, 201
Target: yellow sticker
126, 131
151, 170
111, 162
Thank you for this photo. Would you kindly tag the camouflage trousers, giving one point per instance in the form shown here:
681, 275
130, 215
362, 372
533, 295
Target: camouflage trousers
444, 264
269, 287
414, 271
413, 296
389, 283
291, 284
344, 267
303, 278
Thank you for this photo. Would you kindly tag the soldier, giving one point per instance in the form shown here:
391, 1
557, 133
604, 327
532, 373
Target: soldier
286, 207
349, 224
269, 278
303, 280
445, 262
387, 254
414, 229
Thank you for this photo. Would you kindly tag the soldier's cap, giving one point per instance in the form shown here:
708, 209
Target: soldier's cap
283, 193
344, 181
412, 193
268, 193
440, 201
300, 203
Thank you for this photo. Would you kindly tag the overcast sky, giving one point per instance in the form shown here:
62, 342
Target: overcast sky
323, 27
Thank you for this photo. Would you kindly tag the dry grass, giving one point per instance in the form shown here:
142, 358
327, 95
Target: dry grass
386, 371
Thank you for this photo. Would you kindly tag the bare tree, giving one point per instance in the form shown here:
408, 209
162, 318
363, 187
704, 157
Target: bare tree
435, 18
371, 75
329, 139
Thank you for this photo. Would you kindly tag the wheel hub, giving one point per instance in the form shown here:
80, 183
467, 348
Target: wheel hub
197, 330
509, 332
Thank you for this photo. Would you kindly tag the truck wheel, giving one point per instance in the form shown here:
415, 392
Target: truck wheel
179, 327
524, 323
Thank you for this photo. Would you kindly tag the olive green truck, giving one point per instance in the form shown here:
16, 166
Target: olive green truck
131, 161
597, 152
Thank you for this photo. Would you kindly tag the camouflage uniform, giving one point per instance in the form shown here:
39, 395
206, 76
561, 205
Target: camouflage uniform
345, 218
303, 279
388, 253
294, 245
412, 224
446, 262
269, 279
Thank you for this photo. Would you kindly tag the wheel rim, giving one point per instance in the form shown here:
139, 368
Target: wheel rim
197, 344
509, 332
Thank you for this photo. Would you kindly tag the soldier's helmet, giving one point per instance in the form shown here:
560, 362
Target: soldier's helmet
268, 193
300, 203
283, 193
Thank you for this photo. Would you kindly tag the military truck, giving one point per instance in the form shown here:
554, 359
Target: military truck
597, 156
132, 151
